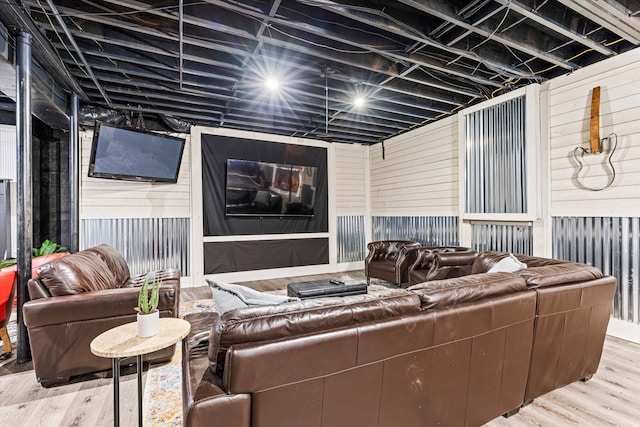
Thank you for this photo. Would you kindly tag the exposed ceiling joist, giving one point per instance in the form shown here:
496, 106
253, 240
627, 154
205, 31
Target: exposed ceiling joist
609, 14
415, 61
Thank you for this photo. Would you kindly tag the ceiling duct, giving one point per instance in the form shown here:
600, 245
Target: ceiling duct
88, 115
175, 124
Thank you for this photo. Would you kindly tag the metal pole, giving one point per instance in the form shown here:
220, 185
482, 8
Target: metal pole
139, 371
115, 366
24, 184
74, 176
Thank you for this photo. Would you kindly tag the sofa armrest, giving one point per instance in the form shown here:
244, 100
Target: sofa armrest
406, 256
423, 260
559, 274
168, 275
204, 400
86, 306
376, 250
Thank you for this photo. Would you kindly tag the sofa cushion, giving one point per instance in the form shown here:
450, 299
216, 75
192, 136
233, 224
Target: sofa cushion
100, 267
271, 322
485, 260
442, 293
508, 264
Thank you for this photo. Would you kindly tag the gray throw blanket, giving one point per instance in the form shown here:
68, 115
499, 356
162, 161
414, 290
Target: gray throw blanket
229, 296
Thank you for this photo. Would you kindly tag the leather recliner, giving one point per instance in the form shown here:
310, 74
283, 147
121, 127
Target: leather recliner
76, 298
440, 262
389, 260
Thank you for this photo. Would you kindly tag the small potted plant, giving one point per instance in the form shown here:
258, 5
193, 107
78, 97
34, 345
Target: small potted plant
148, 313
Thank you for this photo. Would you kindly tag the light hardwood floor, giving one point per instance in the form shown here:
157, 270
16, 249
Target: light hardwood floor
610, 398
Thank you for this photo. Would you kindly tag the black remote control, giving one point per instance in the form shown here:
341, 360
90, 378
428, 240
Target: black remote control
336, 282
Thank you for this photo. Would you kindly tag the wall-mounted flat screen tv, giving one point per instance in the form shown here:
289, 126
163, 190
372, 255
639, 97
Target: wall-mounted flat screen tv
269, 189
134, 155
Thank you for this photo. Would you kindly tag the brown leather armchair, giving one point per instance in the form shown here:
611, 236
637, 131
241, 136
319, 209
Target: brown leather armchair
440, 262
76, 298
389, 260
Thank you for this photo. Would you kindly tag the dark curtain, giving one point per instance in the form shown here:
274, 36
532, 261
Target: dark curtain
215, 152
223, 257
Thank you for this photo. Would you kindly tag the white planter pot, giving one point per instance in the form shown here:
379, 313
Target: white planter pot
148, 324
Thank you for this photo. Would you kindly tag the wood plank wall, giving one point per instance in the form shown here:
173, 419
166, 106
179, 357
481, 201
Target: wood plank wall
350, 179
105, 198
569, 111
419, 172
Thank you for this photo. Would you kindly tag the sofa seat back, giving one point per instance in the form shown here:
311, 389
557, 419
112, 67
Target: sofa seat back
461, 364
574, 303
97, 268
440, 262
571, 325
449, 292
286, 320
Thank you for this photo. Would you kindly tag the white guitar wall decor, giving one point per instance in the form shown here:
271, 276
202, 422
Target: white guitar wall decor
602, 149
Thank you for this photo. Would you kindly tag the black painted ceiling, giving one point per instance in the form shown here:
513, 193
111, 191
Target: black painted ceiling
415, 61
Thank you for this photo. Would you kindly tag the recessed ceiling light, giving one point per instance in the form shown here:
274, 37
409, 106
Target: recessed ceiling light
358, 101
272, 84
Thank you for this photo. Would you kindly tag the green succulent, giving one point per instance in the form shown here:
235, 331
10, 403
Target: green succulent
148, 304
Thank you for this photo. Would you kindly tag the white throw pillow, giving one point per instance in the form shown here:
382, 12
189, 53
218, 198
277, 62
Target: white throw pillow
229, 296
508, 265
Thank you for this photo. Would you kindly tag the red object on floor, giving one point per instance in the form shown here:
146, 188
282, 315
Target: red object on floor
8, 276
7, 282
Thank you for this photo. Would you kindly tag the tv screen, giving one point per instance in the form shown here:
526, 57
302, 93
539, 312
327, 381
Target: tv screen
134, 155
269, 189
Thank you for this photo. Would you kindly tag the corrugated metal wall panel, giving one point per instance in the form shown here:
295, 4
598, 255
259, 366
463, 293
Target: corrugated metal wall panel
428, 230
146, 243
613, 245
8, 162
496, 178
351, 238
514, 238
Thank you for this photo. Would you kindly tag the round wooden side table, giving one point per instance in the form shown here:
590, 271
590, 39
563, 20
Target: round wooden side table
123, 341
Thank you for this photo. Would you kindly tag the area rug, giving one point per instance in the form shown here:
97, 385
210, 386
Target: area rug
162, 402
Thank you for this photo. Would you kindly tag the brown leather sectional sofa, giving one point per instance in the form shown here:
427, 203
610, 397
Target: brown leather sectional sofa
455, 352
76, 298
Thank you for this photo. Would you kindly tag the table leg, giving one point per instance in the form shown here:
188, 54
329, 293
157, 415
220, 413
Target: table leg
115, 366
139, 363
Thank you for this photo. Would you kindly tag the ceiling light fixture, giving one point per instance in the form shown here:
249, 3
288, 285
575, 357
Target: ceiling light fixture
273, 84
359, 101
